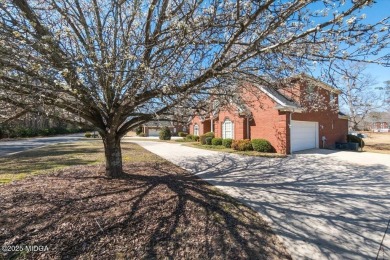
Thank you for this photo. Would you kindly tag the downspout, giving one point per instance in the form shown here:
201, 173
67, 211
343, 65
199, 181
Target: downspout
291, 112
247, 128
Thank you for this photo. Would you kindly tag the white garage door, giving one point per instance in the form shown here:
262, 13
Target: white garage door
304, 135
154, 132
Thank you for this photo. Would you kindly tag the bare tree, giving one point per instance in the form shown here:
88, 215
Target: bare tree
117, 64
358, 91
386, 94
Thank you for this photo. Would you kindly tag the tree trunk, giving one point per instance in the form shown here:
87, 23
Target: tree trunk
355, 125
113, 153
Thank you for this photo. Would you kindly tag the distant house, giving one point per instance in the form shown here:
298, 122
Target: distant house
153, 128
302, 115
380, 121
377, 122
380, 127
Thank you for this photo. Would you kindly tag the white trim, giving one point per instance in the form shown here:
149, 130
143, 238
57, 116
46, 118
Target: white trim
343, 117
272, 96
197, 129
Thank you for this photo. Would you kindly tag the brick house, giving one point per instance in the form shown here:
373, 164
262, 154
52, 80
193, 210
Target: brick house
379, 122
375, 121
301, 115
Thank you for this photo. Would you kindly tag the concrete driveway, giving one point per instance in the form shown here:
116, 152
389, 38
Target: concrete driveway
20, 145
321, 205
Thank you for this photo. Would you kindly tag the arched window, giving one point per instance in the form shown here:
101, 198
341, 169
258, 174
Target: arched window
196, 129
227, 129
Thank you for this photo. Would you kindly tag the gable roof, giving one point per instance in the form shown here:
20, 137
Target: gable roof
286, 104
283, 103
157, 123
317, 82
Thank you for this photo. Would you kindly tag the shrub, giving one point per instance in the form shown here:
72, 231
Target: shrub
195, 138
88, 134
165, 133
208, 140
189, 137
262, 145
21, 132
202, 138
142, 135
60, 130
44, 132
227, 142
355, 139
216, 141
182, 134
242, 145
52, 131
138, 130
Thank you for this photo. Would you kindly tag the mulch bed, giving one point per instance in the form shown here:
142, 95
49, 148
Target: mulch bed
156, 211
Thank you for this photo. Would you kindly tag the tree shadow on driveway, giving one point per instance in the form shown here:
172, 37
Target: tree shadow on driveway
321, 207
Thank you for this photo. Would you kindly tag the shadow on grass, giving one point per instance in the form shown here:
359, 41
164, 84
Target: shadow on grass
156, 210
48, 158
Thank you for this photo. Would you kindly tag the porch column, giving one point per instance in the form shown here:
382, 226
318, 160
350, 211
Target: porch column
247, 128
211, 125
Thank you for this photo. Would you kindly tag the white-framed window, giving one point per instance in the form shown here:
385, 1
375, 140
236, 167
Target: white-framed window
310, 93
227, 129
196, 129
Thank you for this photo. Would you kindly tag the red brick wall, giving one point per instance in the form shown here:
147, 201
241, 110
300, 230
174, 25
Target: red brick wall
267, 122
380, 125
273, 125
330, 125
238, 123
270, 124
204, 126
195, 120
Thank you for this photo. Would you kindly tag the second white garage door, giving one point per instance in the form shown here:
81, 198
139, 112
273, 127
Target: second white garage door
304, 135
154, 132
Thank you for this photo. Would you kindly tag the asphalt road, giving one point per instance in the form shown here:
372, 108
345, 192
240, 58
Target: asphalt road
16, 146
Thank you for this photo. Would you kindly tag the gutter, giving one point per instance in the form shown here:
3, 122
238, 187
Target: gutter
288, 108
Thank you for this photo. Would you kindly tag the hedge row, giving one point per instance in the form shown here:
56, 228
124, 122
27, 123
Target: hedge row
259, 145
203, 138
192, 138
15, 132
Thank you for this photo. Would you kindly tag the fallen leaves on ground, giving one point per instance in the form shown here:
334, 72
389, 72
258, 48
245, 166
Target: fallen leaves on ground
156, 210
